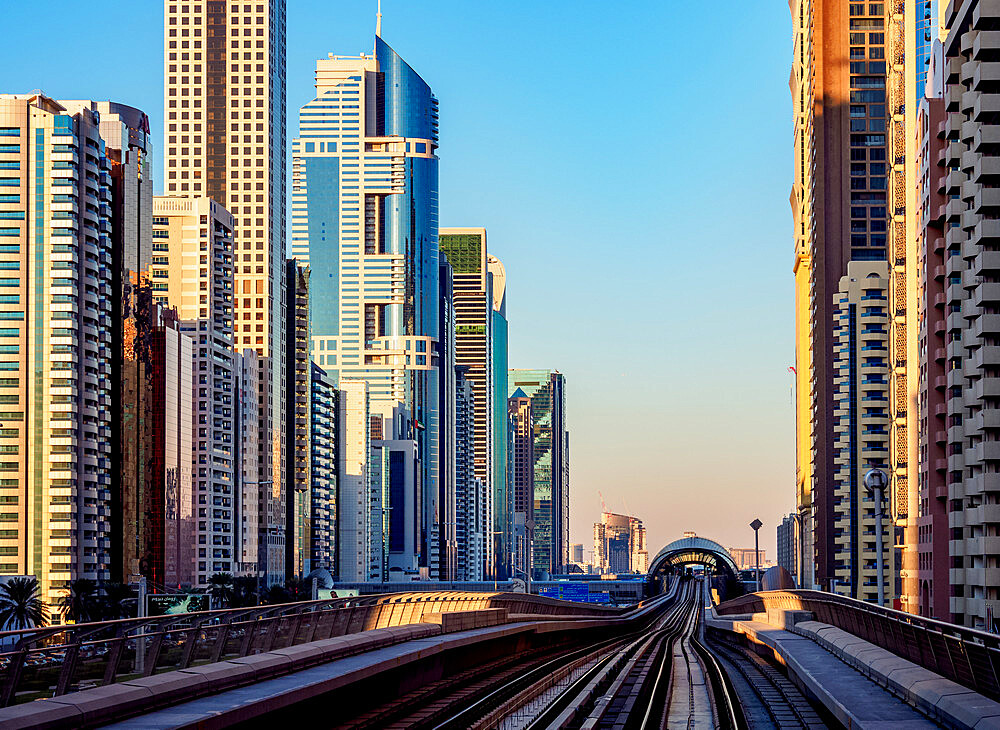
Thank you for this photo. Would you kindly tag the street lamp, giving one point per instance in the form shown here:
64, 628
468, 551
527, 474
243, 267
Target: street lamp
875, 482
756, 525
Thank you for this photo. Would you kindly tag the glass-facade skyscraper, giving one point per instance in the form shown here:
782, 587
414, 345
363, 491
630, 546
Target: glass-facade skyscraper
365, 219
550, 454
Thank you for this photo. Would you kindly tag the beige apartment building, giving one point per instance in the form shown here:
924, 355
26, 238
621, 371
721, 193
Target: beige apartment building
861, 425
224, 104
192, 270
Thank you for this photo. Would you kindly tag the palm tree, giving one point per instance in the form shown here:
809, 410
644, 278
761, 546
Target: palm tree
21, 606
244, 592
220, 586
80, 604
113, 602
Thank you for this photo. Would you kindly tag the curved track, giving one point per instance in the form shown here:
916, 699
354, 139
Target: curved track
662, 675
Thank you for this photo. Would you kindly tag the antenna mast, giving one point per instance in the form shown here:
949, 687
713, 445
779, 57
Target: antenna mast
378, 20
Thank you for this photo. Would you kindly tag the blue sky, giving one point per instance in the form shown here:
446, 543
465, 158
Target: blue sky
631, 162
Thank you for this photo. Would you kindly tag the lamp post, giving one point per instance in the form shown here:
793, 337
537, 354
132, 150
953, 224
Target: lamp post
756, 525
875, 482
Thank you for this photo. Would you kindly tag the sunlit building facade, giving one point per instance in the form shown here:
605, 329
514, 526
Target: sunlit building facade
192, 271
971, 296
933, 587
224, 108
547, 391
465, 250
839, 212
55, 311
364, 219
354, 516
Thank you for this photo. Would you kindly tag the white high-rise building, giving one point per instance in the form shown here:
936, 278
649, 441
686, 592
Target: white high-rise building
55, 334
353, 507
192, 271
224, 103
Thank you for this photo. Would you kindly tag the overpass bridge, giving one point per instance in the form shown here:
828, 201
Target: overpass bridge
456, 659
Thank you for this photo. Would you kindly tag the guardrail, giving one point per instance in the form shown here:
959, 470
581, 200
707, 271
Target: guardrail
54, 660
967, 656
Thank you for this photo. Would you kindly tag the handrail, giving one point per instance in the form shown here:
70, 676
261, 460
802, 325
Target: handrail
55, 660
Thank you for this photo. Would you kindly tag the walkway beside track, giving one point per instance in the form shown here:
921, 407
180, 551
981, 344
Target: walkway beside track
851, 697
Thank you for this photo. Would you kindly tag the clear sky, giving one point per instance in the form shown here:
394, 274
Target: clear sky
632, 163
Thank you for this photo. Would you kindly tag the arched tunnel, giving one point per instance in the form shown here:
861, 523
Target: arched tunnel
672, 559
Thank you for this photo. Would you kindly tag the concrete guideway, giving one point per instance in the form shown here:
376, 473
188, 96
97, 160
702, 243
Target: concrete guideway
861, 685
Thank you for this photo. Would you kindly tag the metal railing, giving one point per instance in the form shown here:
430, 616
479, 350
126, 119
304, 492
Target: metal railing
55, 660
967, 656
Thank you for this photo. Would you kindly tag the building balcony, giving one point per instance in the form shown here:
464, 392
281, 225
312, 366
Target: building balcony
986, 325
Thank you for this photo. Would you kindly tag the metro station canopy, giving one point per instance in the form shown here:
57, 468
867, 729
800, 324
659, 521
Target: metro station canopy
693, 550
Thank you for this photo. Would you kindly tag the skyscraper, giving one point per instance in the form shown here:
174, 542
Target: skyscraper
224, 103
55, 307
465, 249
546, 389
192, 271
839, 213
364, 218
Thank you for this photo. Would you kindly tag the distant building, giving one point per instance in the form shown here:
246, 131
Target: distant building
619, 544
788, 547
547, 391
576, 552
745, 559
521, 478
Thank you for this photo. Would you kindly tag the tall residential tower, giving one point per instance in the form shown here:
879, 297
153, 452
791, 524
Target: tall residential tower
224, 104
839, 209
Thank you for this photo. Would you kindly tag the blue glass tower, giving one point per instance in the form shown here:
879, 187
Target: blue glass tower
365, 219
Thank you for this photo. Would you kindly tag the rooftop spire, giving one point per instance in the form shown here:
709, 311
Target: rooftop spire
378, 20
